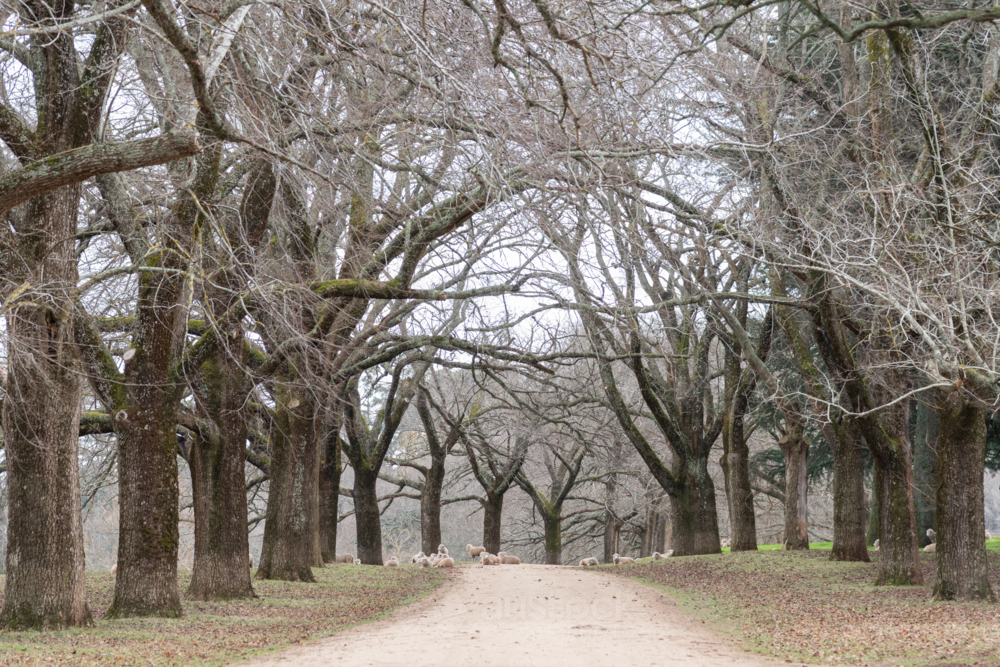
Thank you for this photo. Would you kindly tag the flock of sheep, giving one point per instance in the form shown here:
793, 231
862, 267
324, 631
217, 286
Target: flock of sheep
442, 559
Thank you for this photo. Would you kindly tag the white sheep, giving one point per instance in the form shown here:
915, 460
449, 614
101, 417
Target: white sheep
488, 559
507, 559
931, 535
393, 562
589, 562
445, 562
357, 561
658, 556
345, 558
114, 569
474, 551
251, 560
932, 547
875, 545
417, 556
622, 560
988, 536
442, 550
425, 562
726, 544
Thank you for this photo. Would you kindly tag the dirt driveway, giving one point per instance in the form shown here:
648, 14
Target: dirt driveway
521, 615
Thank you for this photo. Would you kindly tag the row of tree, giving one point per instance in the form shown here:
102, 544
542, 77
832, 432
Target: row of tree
256, 245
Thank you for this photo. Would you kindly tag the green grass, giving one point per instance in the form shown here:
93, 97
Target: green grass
801, 606
215, 633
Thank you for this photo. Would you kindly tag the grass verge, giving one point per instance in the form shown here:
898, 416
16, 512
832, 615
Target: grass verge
216, 633
801, 606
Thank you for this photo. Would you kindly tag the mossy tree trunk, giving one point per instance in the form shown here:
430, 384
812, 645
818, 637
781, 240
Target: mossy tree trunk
564, 471
217, 461
850, 513
961, 568
45, 586
287, 552
693, 514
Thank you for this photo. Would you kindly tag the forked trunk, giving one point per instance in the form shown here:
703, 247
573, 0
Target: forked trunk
961, 571
368, 518
695, 523
492, 515
850, 516
430, 506
329, 491
287, 552
898, 563
553, 538
41, 420
795, 447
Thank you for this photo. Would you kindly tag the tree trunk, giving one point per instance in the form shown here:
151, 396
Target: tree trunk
695, 522
329, 490
367, 517
287, 552
146, 583
795, 447
492, 515
925, 438
553, 538
961, 571
612, 533
899, 564
45, 585
739, 493
430, 505
850, 516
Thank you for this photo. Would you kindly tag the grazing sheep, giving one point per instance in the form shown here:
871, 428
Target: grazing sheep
345, 558
509, 560
931, 535
417, 556
392, 562
875, 545
474, 551
726, 544
114, 569
445, 562
442, 550
932, 547
622, 560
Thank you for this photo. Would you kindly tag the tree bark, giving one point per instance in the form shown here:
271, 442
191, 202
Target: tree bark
693, 513
430, 505
553, 538
45, 586
492, 515
850, 515
795, 447
961, 571
329, 490
288, 548
368, 518
899, 564
739, 493
612, 534
221, 543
